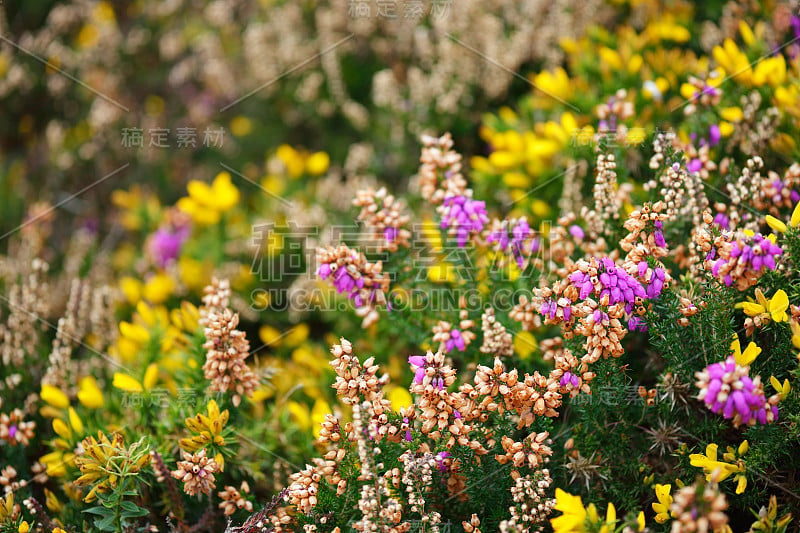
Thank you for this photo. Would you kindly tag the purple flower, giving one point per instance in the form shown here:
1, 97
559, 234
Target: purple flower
408, 431
440, 457
576, 232
714, 135
778, 198
694, 165
656, 284
722, 220
390, 234
417, 363
549, 309
12, 431
165, 244
569, 379
727, 389
464, 215
756, 253
455, 341
658, 235
613, 282
637, 324
516, 242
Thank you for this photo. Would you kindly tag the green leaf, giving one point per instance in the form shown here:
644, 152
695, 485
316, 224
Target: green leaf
131, 510
105, 524
99, 510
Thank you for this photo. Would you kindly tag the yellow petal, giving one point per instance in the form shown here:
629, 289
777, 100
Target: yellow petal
732, 114
775, 224
134, 332
61, 429
795, 216
53, 396
778, 305
747, 34
150, 376
743, 447
752, 309
318, 412
741, 485
611, 514
711, 451
75, 421
131, 288
226, 195
399, 397
663, 493
749, 355
126, 383
213, 409
318, 163
201, 193
89, 394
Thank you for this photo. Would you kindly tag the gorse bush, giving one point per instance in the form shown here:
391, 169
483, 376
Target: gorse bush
579, 313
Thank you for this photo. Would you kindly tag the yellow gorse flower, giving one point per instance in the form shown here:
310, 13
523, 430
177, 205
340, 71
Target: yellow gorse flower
554, 85
105, 461
206, 203
89, 393
128, 383
775, 224
748, 356
6, 507
721, 470
774, 308
297, 162
207, 428
69, 429
782, 389
576, 518
662, 506
573, 517
768, 518
734, 61
54, 397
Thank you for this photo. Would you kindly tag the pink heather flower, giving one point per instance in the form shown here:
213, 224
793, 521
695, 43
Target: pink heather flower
570, 379
694, 165
722, 220
550, 308
714, 135
390, 234
408, 431
637, 324
756, 255
164, 246
463, 215
617, 284
778, 198
656, 284
440, 457
576, 232
417, 363
455, 341
727, 389
516, 242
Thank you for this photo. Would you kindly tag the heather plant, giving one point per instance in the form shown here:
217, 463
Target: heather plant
576, 310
